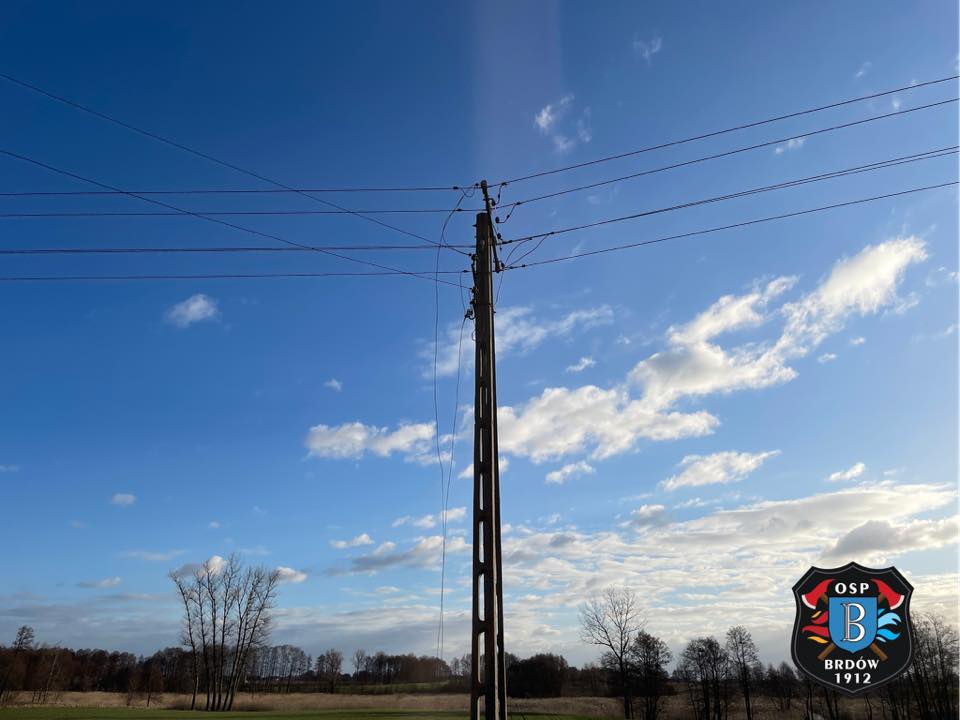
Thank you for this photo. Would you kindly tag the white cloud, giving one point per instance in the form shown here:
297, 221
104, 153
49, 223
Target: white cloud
551, 117
718, 468
151, 556
551, 112
194, 309
581, 365
123, 499
827, 357
387, 590
213, 525
362, 539
352, 440
647, 516
569, 471
648, 48
430, 521
849, 474
96, 584
519, 331
791, 144
289, 575
467, 472
214, 563
425, 553
862, 70
857, 341
334, 384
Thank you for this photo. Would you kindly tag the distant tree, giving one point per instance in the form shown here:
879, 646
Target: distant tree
329, 667
611, 622
704, 667
744, 658
542, 675
359, 658
648, 657
24, 639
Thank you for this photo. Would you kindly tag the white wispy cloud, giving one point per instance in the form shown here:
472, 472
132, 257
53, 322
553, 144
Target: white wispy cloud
213, 525
430, 521
646, 49
850, 473
519, 331
571, 470
827, 357
424, 553
194, 309
862, 70
359, 540
353, 440
334, 384
551, 117
123, 499
857, 340
791, 144
581, 365
718, 468
96, 584
153, 556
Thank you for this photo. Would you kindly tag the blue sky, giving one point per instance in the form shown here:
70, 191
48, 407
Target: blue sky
671, 416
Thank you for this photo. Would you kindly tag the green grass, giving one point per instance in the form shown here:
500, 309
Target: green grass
58, 713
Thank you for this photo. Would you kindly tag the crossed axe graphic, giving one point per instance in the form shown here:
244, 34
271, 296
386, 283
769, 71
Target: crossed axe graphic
887, 594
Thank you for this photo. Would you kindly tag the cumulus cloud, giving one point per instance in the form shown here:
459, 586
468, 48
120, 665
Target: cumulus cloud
519, 331
647, 516
571, 470
353, 440
653, 401
581, 365
878, 538
362, 539
214, 564
123, 499
289, 575
334, 384
849, 474
194, 309
96, 584
718, 468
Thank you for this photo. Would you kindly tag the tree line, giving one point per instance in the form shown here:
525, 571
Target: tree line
715, 675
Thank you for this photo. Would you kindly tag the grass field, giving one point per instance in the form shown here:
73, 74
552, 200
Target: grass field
76, 713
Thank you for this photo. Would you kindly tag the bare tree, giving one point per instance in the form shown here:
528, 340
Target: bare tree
359, 658
331, 665
648, 658
744, 659
227, 613
611, 621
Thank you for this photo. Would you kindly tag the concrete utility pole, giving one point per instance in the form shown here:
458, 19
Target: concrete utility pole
488, 682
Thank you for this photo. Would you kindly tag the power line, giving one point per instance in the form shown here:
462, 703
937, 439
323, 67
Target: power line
221, 276
745, 223
198, 153
232, 191
728, 153
203, 250
893, 162
218, 213
715, 133
242, 228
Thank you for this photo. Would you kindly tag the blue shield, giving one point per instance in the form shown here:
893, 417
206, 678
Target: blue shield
853, 622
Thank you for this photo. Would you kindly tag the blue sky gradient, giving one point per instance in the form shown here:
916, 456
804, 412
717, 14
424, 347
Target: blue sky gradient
204, 416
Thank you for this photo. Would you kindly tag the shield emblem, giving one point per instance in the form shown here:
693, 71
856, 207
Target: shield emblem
852, 628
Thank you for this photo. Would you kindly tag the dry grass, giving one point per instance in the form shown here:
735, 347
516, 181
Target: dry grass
299, 702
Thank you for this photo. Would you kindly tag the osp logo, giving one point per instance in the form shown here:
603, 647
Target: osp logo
852, 630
